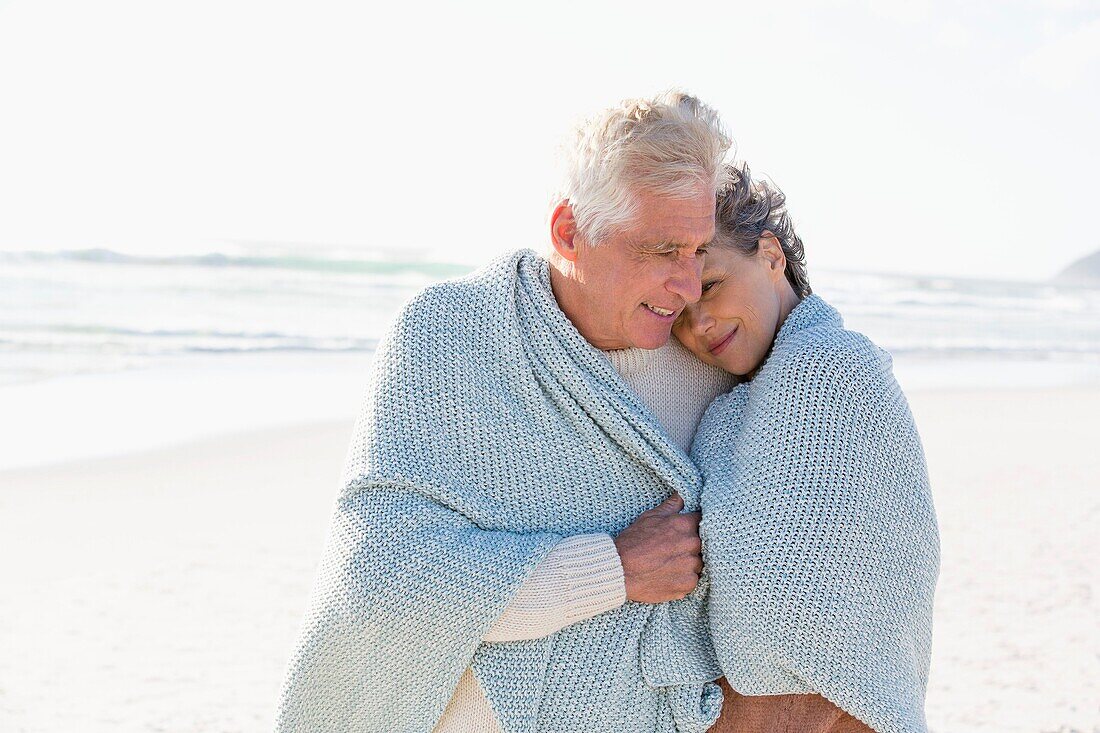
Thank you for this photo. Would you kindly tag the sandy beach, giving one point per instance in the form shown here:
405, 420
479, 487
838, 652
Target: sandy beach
162, 591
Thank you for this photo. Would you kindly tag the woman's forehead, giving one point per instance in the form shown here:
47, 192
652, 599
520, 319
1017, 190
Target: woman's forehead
722, 258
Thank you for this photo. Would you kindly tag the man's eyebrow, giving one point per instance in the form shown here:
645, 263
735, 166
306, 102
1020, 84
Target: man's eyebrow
665, 245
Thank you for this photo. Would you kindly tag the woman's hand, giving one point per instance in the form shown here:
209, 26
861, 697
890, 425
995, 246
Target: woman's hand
782, 714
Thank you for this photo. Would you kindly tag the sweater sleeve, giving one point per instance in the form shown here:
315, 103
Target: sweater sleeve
579, 578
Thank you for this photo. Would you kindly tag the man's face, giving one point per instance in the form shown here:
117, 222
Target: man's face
637, 281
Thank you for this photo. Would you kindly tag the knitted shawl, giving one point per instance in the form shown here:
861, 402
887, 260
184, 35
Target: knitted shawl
490, 430
818, 529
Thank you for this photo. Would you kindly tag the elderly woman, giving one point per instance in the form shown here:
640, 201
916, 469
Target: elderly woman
818, 529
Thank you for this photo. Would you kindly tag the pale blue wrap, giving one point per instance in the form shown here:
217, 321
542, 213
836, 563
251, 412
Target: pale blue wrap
491, 430
819, 533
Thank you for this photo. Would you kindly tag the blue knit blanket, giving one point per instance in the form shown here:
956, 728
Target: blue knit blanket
819, 534
491, 429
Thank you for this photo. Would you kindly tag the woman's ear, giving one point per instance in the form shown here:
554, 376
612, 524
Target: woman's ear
563, 231
772, 252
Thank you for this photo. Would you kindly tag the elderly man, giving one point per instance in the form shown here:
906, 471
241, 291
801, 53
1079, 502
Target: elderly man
518, 499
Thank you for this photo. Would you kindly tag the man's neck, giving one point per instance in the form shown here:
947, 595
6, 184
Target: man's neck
570, 296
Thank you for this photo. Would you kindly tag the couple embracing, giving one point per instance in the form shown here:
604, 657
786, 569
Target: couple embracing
645, 482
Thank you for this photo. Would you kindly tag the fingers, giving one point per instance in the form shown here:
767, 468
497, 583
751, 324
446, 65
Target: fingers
687, 532
662, 552
691, 521
674, 505
671, 505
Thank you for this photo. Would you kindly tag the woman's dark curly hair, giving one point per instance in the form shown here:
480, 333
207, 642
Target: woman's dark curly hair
745, 210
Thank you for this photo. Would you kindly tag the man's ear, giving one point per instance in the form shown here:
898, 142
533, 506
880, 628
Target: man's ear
563, 231
772, 252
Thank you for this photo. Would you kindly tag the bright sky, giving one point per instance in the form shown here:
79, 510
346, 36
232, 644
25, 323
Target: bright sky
924, 137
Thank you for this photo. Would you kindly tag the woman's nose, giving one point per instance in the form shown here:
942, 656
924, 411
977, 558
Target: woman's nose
697, 319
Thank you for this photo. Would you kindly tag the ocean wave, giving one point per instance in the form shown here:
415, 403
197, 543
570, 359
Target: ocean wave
222, 260
98, 309
102, 330
252, 348
92, 338
994, 353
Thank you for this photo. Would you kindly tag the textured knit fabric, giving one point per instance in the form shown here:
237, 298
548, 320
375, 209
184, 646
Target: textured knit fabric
819, 534
673, 384
491, 430
468, 710
582, 575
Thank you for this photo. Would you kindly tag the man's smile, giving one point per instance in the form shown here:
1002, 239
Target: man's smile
663, 313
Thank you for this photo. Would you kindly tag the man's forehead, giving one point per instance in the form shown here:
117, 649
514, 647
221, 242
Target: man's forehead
680, 222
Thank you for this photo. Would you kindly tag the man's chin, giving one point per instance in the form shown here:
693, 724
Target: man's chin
652, 339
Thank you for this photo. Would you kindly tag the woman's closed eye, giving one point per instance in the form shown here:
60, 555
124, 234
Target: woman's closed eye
708, 284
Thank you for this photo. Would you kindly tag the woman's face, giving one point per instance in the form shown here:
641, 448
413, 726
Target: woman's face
744, 302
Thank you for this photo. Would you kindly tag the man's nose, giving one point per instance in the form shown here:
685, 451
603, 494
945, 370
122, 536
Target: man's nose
686, 279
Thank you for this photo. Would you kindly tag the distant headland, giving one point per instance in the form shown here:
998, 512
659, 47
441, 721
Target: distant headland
1085, 271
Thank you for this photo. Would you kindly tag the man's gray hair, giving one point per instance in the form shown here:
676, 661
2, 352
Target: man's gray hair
746, 209
668, 146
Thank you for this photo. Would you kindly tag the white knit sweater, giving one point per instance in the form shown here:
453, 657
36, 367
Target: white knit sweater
582, 576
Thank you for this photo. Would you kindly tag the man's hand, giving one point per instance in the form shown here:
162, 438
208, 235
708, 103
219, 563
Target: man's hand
661, 553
